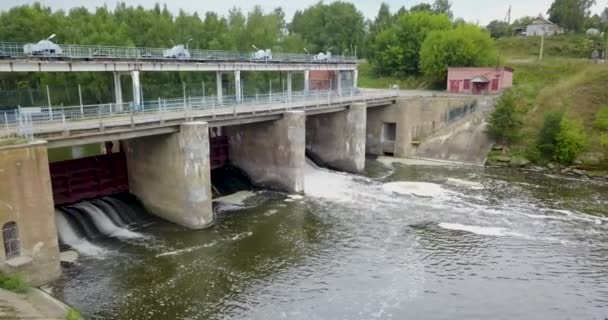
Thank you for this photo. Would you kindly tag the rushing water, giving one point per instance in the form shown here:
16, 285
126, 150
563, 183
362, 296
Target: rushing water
399, 243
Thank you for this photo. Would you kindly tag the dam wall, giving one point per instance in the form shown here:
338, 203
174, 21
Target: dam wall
441, 127
30, 246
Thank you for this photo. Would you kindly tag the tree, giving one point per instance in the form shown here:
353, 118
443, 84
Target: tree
570, 14
397, 49
571, 140
421, 7
338, 25
443, 7
547, 138
499, 29
464, 46
506, 119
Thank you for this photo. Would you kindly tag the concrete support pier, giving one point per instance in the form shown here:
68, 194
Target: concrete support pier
219, 90
137, 98
271, 153
27, 214
117, 88
170, 174
338, 139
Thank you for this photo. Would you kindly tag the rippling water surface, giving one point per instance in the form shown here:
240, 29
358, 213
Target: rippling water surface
398, 243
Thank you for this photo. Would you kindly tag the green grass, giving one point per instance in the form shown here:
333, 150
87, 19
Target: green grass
73, 314
369, 79
563, 46
13, 282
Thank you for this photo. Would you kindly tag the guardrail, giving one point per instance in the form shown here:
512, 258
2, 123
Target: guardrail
29, 121
15, 50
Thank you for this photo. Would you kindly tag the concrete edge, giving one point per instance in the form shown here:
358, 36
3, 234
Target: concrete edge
47, 304
37, 142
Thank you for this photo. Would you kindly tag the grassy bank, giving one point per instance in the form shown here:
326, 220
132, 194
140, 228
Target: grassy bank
369, 79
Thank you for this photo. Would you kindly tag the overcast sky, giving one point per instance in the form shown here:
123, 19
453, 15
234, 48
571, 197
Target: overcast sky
482, 11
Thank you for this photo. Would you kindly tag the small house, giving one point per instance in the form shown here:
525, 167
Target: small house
486, 80
541, 26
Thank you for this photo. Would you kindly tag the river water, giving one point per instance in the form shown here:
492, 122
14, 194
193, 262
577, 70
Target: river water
400, 242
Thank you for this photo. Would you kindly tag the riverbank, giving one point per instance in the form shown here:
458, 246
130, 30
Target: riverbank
33, 304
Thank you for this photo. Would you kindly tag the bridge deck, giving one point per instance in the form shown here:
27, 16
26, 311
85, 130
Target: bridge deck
130, 124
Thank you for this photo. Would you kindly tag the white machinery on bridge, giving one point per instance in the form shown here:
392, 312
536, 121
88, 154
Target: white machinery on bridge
261, 54
322, 56
44, 47
177, 52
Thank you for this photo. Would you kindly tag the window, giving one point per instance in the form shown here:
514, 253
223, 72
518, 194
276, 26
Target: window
467, 84
389, 131
12, 245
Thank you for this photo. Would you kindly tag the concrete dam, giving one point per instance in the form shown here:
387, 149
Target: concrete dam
166, 152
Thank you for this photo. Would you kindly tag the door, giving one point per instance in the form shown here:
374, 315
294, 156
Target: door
495, 85
454, 86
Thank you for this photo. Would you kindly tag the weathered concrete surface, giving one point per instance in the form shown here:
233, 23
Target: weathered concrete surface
272, 152
34, 304
26, 197
170, 174
424, 128
338, 139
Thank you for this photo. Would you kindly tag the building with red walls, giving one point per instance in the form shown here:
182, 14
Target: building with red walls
479, 80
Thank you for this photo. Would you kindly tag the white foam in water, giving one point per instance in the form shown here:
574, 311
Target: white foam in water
465, 183
105, 224
322, 183
69, 237
420, 189
186, 250
234, 201
484, 231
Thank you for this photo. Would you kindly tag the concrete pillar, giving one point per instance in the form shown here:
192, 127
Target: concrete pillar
237, 86
289, 87
137, 99
355, 79
218, 82
337, 139
170, 174
117, 88
306, 81
339, 82
271, 153
26, 198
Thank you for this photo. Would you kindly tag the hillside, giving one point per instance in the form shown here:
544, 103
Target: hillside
559, 83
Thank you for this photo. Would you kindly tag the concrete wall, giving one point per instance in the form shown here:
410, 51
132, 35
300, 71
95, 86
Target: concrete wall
418, 120
170, 174
338, 139
271, 153
26, 197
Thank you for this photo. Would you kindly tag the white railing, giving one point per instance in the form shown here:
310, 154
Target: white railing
91, 52
29, 121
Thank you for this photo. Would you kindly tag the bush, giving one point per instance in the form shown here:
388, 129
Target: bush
13, 283
547, 138
601, 119
506, 120
571, 140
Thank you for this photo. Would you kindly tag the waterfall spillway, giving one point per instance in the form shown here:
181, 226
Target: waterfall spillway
86, 221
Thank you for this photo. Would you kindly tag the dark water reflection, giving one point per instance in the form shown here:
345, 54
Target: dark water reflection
524, 247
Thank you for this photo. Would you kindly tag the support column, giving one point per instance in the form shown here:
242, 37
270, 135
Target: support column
170, 174
218, 82
337, 139
237, 86
306, 81
271, 153
355, 79
26, 199
339, 82
117, 89
137, 100
289, 89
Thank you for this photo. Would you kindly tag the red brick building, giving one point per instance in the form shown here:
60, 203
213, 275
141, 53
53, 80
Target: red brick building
479, 80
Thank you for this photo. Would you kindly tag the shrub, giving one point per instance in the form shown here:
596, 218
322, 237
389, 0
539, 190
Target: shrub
506, 120
571, 140
547, 139
13, 283
601, 119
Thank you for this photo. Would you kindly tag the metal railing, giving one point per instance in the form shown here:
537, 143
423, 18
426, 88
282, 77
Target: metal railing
13, 50
29, 121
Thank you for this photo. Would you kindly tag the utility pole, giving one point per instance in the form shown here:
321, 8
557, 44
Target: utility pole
542, 45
